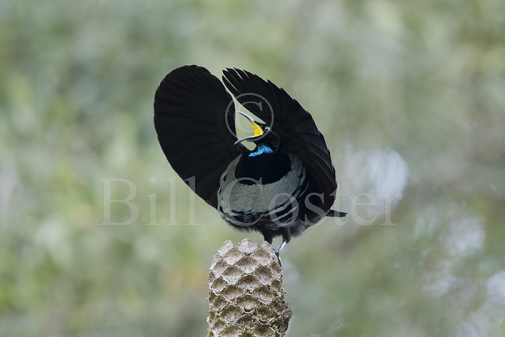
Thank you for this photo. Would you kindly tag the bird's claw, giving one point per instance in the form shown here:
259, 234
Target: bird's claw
278, 254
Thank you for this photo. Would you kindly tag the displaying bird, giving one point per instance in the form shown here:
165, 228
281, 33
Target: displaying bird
281, 187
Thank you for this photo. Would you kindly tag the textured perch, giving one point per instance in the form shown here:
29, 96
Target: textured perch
246, 294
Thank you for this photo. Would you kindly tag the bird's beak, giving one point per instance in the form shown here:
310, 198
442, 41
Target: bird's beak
258, 131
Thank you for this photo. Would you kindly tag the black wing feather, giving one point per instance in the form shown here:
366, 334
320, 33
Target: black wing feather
191, 107
295, 127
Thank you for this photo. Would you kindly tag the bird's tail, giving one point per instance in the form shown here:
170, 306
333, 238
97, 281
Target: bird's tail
335, 214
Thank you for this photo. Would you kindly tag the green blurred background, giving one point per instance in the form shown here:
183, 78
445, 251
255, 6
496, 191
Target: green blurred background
409, 95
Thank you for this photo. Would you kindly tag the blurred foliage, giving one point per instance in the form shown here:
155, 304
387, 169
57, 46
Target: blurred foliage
409, 95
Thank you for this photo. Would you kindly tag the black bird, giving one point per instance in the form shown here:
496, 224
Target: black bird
281, 187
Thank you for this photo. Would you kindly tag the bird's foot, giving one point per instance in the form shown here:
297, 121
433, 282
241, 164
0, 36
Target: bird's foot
278, 252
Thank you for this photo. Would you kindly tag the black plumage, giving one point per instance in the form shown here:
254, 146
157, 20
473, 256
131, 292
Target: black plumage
281, 187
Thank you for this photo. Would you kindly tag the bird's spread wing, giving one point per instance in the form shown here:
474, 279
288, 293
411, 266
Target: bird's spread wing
194, 117
293, 124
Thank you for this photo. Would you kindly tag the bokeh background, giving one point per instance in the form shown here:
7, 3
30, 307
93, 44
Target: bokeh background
410, 97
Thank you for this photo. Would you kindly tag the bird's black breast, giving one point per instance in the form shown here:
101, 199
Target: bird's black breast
263, 169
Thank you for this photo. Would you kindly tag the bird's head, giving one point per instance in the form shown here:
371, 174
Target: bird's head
262, 133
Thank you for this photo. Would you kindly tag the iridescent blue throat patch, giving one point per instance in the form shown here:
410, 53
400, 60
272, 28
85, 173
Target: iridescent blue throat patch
261, 149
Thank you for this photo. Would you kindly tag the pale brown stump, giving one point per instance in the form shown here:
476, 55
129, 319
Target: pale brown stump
246, 294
